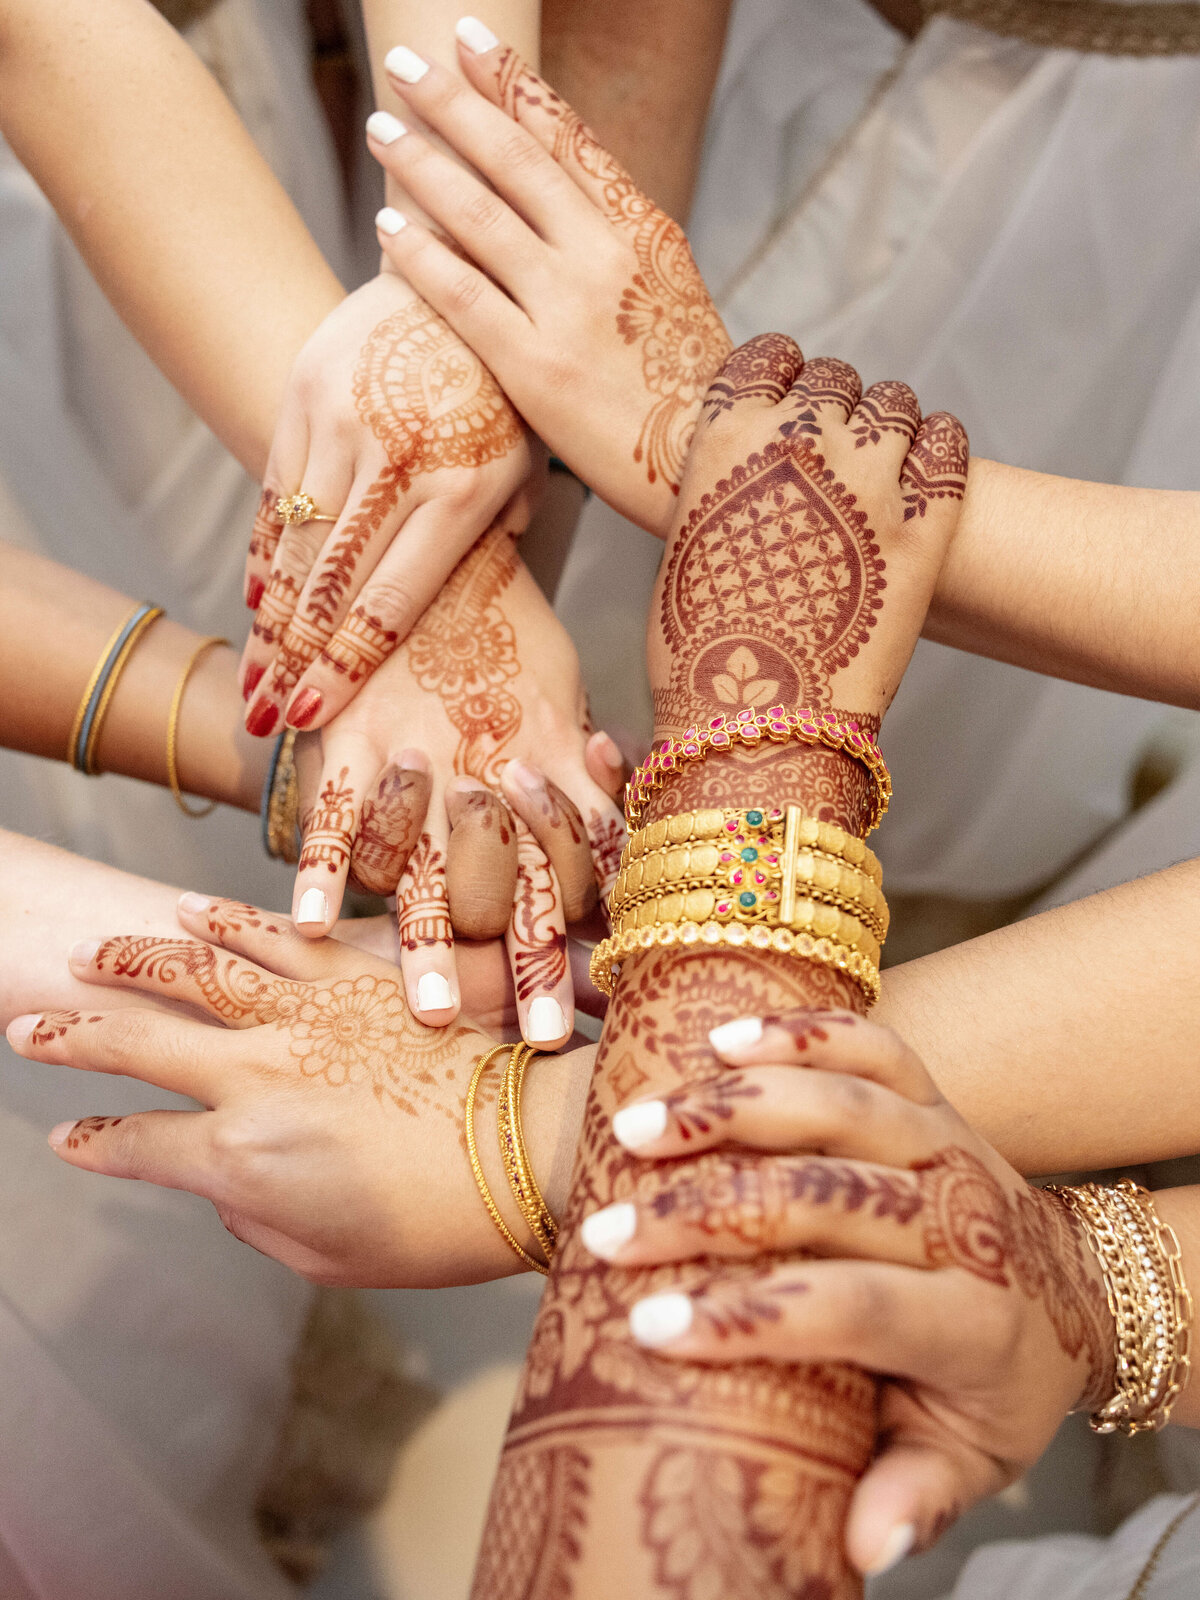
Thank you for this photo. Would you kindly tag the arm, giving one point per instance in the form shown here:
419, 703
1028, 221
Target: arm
92, 94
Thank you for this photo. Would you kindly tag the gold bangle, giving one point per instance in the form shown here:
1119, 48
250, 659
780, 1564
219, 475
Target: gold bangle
687, 904
493, 1210
736, 936
517, 1167
97, 696
824, 838
283, 803
173, 731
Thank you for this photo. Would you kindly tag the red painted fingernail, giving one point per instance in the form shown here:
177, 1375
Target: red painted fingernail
304, 708
264, 714
254, 593
250, 682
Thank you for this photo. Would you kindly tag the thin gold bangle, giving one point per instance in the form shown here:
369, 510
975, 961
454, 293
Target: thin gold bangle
517, 1167
114, 677
493, 1210
173, 731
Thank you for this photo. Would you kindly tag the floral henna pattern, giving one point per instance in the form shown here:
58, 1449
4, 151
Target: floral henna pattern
52, 1025
936, 466
422, 910
331, 827
539, 1508
762, 369
889, 407
666, 310
698, 1109
537, 948
388, 829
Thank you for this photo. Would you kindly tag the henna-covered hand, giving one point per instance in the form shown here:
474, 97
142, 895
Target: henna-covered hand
580, 293
395, 428
486, 682
901, 1242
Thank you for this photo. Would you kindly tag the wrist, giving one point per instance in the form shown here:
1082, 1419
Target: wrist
825, 783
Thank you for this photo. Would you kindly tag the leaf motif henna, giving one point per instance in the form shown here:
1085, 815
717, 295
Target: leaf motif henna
52, 1025
422, 911
538, 949
804, 1026
87, 1128
889, 407
331, 827
539, 1505
698, 1108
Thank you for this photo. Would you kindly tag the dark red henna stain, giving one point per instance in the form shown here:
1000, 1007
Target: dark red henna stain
936, 466
889, 407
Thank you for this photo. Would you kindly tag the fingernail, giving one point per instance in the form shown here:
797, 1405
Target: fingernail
193, 902
609, 752
304, 707
405, 64
893, 1549
526, 777
433, 992
21, 1028
640, 1124
313, 908
390, 221
478, 39
604, 1232
384, 128
58, 1134
82, 953
251, 681
264, 714
739, 1035
661, 1318
254, 593
546, 1022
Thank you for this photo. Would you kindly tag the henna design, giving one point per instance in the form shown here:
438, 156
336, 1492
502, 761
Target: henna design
389, 827
52, 1025
745, 1305
264, 535
608, 836
359, 645
233, 916
537, 948
824, 381
666, 310
275, 609
804, 1026
539, 1510
936, 466
336, 571
331, 827
763, 369
422, 911
701, 1106
232, 989
84, 1129
889, 407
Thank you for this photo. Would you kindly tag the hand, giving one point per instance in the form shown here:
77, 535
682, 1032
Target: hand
332, 1137
584, 300
392, 424
486, 682
883, 1232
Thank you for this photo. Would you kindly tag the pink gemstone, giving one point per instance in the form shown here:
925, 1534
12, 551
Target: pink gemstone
737, 878
742, 716
808, 727
692, 733
779, 727
722, 907
760, 877
853, 725
665, 746
668, 762
772, 861
775, 711
717, 722
691, 750
731, 827
719, 741
750, 734
771, 895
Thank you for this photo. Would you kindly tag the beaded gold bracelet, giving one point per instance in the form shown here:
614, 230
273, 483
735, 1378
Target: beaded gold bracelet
517, 1167
749, 727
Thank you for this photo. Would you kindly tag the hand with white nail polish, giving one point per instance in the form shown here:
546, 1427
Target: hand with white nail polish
332, 1131
863, 1221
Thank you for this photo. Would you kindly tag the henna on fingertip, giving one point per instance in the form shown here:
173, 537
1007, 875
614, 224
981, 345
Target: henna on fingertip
393, 815
554, 820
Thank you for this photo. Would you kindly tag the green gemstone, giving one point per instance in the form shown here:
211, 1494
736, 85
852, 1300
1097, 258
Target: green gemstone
754, 818
746, 898
749, 853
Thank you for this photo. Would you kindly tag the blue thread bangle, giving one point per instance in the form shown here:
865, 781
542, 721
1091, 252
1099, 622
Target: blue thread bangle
86, 715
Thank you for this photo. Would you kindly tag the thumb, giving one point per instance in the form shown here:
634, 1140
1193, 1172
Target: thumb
909, 1496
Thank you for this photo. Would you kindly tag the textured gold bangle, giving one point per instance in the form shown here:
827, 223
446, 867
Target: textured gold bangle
173, 731
481, 1184
707, 824
701, 906
283, 804
517, 1166
1140, 1259
735, 936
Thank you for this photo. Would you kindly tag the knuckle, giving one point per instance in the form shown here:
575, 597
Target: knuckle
518, 152
463, 292
392, 600
238, 1152
483, 211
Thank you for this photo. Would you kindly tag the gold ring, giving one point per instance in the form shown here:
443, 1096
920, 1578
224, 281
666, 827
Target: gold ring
296, 508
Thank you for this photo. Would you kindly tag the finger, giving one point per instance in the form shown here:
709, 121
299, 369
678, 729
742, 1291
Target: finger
264, 537
392, 816
172, 1052
780, 1109
825, 391
481, 219
235, 991
271, 941
757, 375
608, 836
555, 823
537, 948
349, 774
934, 475
911, 1493
285, 464
168, 1148
740, 1206
481, 861
423, 925
885, 421
836, 1041
605, 764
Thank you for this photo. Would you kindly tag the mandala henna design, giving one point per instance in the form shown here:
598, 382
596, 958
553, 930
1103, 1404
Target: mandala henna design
537, 948
388, 829
539, 1507
936, 466
86, 1129
763, 368
422, 910
889, 407
331, 827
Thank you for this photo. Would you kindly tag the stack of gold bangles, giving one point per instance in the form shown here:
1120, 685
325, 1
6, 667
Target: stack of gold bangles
766, 878
513, 1154
1139, 1256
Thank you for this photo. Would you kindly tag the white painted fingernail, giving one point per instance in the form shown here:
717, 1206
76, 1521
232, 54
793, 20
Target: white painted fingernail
405, 64
313, 907
20, 1029
193, 902
83, 952
390, 221
478, 39
384, 128
546, 1023
604, 1232
433, 992
640, 1124
894, 1548
739, 1035
58, 1134
661, 1319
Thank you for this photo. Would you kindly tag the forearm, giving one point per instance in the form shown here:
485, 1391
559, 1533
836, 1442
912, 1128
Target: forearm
605, 57
1102, 1078
1084, 581
173, 208
1180, 1209
54, 626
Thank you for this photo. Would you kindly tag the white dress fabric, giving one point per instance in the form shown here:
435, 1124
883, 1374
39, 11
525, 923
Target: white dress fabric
145, 1353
